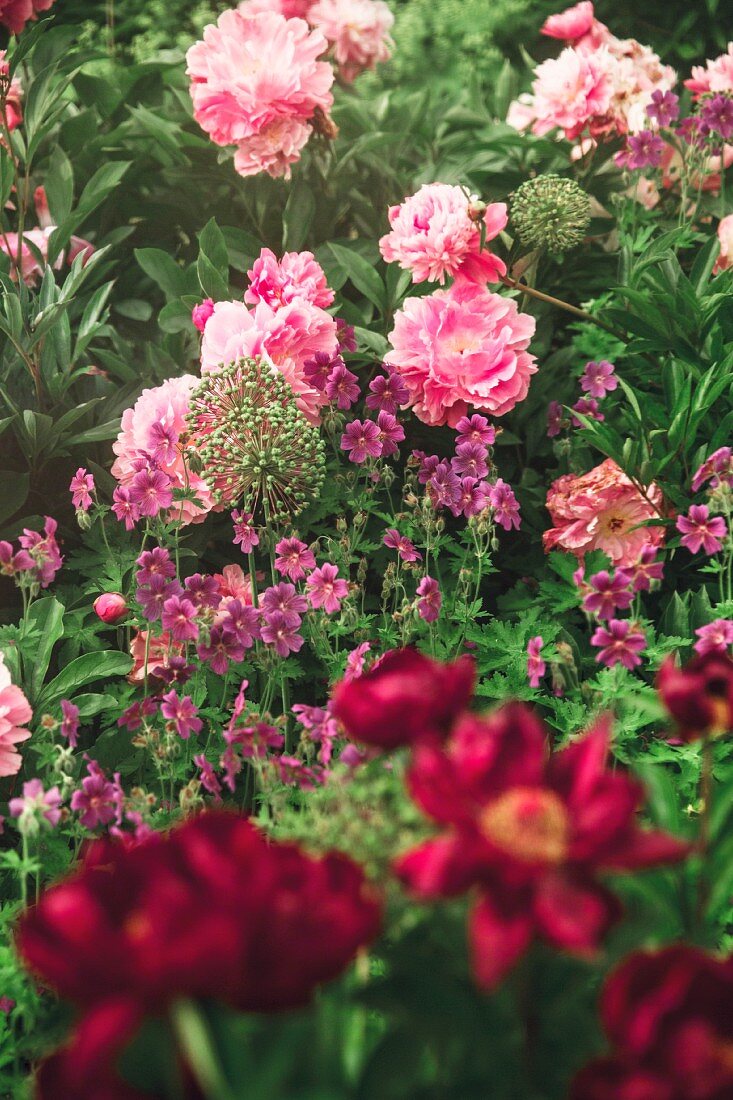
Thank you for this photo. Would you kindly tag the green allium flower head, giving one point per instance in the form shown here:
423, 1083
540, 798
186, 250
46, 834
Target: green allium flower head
253, 444
550, 212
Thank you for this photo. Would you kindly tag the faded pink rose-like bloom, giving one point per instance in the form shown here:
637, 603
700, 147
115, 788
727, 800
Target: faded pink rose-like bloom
700, 531
602, 510
430, 599
571, 24
201, 313
715, 637
725, 237
293, 559
256, 81
15, 712
460, 347
714, 76
621, 643
279, 282
326, 589
81, 489
570, 90
536, 667
288, 337
14, 14
163, 406
357, 32
433, 236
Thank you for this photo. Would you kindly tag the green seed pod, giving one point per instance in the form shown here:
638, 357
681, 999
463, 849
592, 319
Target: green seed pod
550, 212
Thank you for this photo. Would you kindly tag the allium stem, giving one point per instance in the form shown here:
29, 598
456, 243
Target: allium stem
541, 297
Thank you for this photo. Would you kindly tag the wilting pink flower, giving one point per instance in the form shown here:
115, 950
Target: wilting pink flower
180, 710
475, 429
245, 535
598, 379
201, 313
165, 405
714, 76
459, 347
278, 631
179, 617
725, 237
342, 386
97, 801
207, 776
110, 607
44, 550
404, 546
602, 510
715, 637
69, 722
387, 392
13, 94
362, 439
645, 569
36, 806
289, 336
606, 593
293, 558
699, 531
571, 24
296, 773
586, 406
357, 31
430, 599
536, 667
15, 712
256, 81
505, 505
391, 433
433, 236
714, 469
81, 488
158, 649
326, 589
621, 642
31, 267
555, 419
279, 282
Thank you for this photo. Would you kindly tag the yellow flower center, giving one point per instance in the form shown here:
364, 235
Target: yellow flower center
529, 823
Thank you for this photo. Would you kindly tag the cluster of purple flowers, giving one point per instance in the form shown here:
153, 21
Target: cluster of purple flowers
37, 561
596, 381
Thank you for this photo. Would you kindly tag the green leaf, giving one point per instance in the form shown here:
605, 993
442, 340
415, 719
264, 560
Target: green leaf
59, 184
46, 616
163, 270
15, 492
297, 216
84, 670
362, 275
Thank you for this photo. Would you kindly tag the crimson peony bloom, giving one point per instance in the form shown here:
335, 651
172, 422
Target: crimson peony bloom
667, 1014
214, 909
530, 831
699, 696
404, 697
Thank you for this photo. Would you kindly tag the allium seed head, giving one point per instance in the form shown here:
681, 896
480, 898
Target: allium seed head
550, 212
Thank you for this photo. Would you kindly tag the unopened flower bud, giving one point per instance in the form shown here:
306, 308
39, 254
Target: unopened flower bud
476, 210
201, 313
110, 607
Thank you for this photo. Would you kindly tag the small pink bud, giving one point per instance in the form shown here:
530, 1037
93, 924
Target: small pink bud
110, 607
201, 313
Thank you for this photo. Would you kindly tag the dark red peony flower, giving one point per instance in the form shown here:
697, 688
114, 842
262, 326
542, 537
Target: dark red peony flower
699, 696
14, 14
404, 697
212, 910
668, 1016
529, 831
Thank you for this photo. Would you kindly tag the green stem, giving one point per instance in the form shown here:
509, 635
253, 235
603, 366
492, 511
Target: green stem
197, 1046
560, 304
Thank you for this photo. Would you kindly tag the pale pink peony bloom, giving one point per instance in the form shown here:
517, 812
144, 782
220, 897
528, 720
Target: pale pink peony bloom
521, 113
256, 81
15, 712
714, 76
164, 407
601, 510
725, 236
288, 337
279, 282
571, 89
571, 24
34, 253
357, 31
462, 347
291, 9
433, 236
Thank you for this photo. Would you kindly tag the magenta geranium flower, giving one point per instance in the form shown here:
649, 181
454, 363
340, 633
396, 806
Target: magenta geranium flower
293, 559
621, 642
387, 392
342, 386
362, 439
470, 460
245, 535
284, 598
69, 722
715, 637
536, 667
700, 531
81, 489
475, 429
391, 433
279, 631
505, 505
179, 617
326, 589
605, 593
404, 546
430, 599
181, 712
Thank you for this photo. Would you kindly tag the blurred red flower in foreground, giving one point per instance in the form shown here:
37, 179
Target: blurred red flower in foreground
404, 697
530, 831
668, 1016
699, 696
212, 910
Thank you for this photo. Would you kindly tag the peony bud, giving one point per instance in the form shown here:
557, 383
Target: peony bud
110, 607
201, 313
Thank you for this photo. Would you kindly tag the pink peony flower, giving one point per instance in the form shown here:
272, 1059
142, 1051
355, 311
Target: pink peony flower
433, 236
725, 237
291, 9
714, 76
256, 81
32, 265
15, 712
279, 282
111, 607
459, 347
289, 337
357, 32
571, 24
602, 510
164, 406
14, 14
570, 90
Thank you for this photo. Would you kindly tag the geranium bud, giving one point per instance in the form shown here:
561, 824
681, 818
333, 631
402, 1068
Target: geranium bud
110, 607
